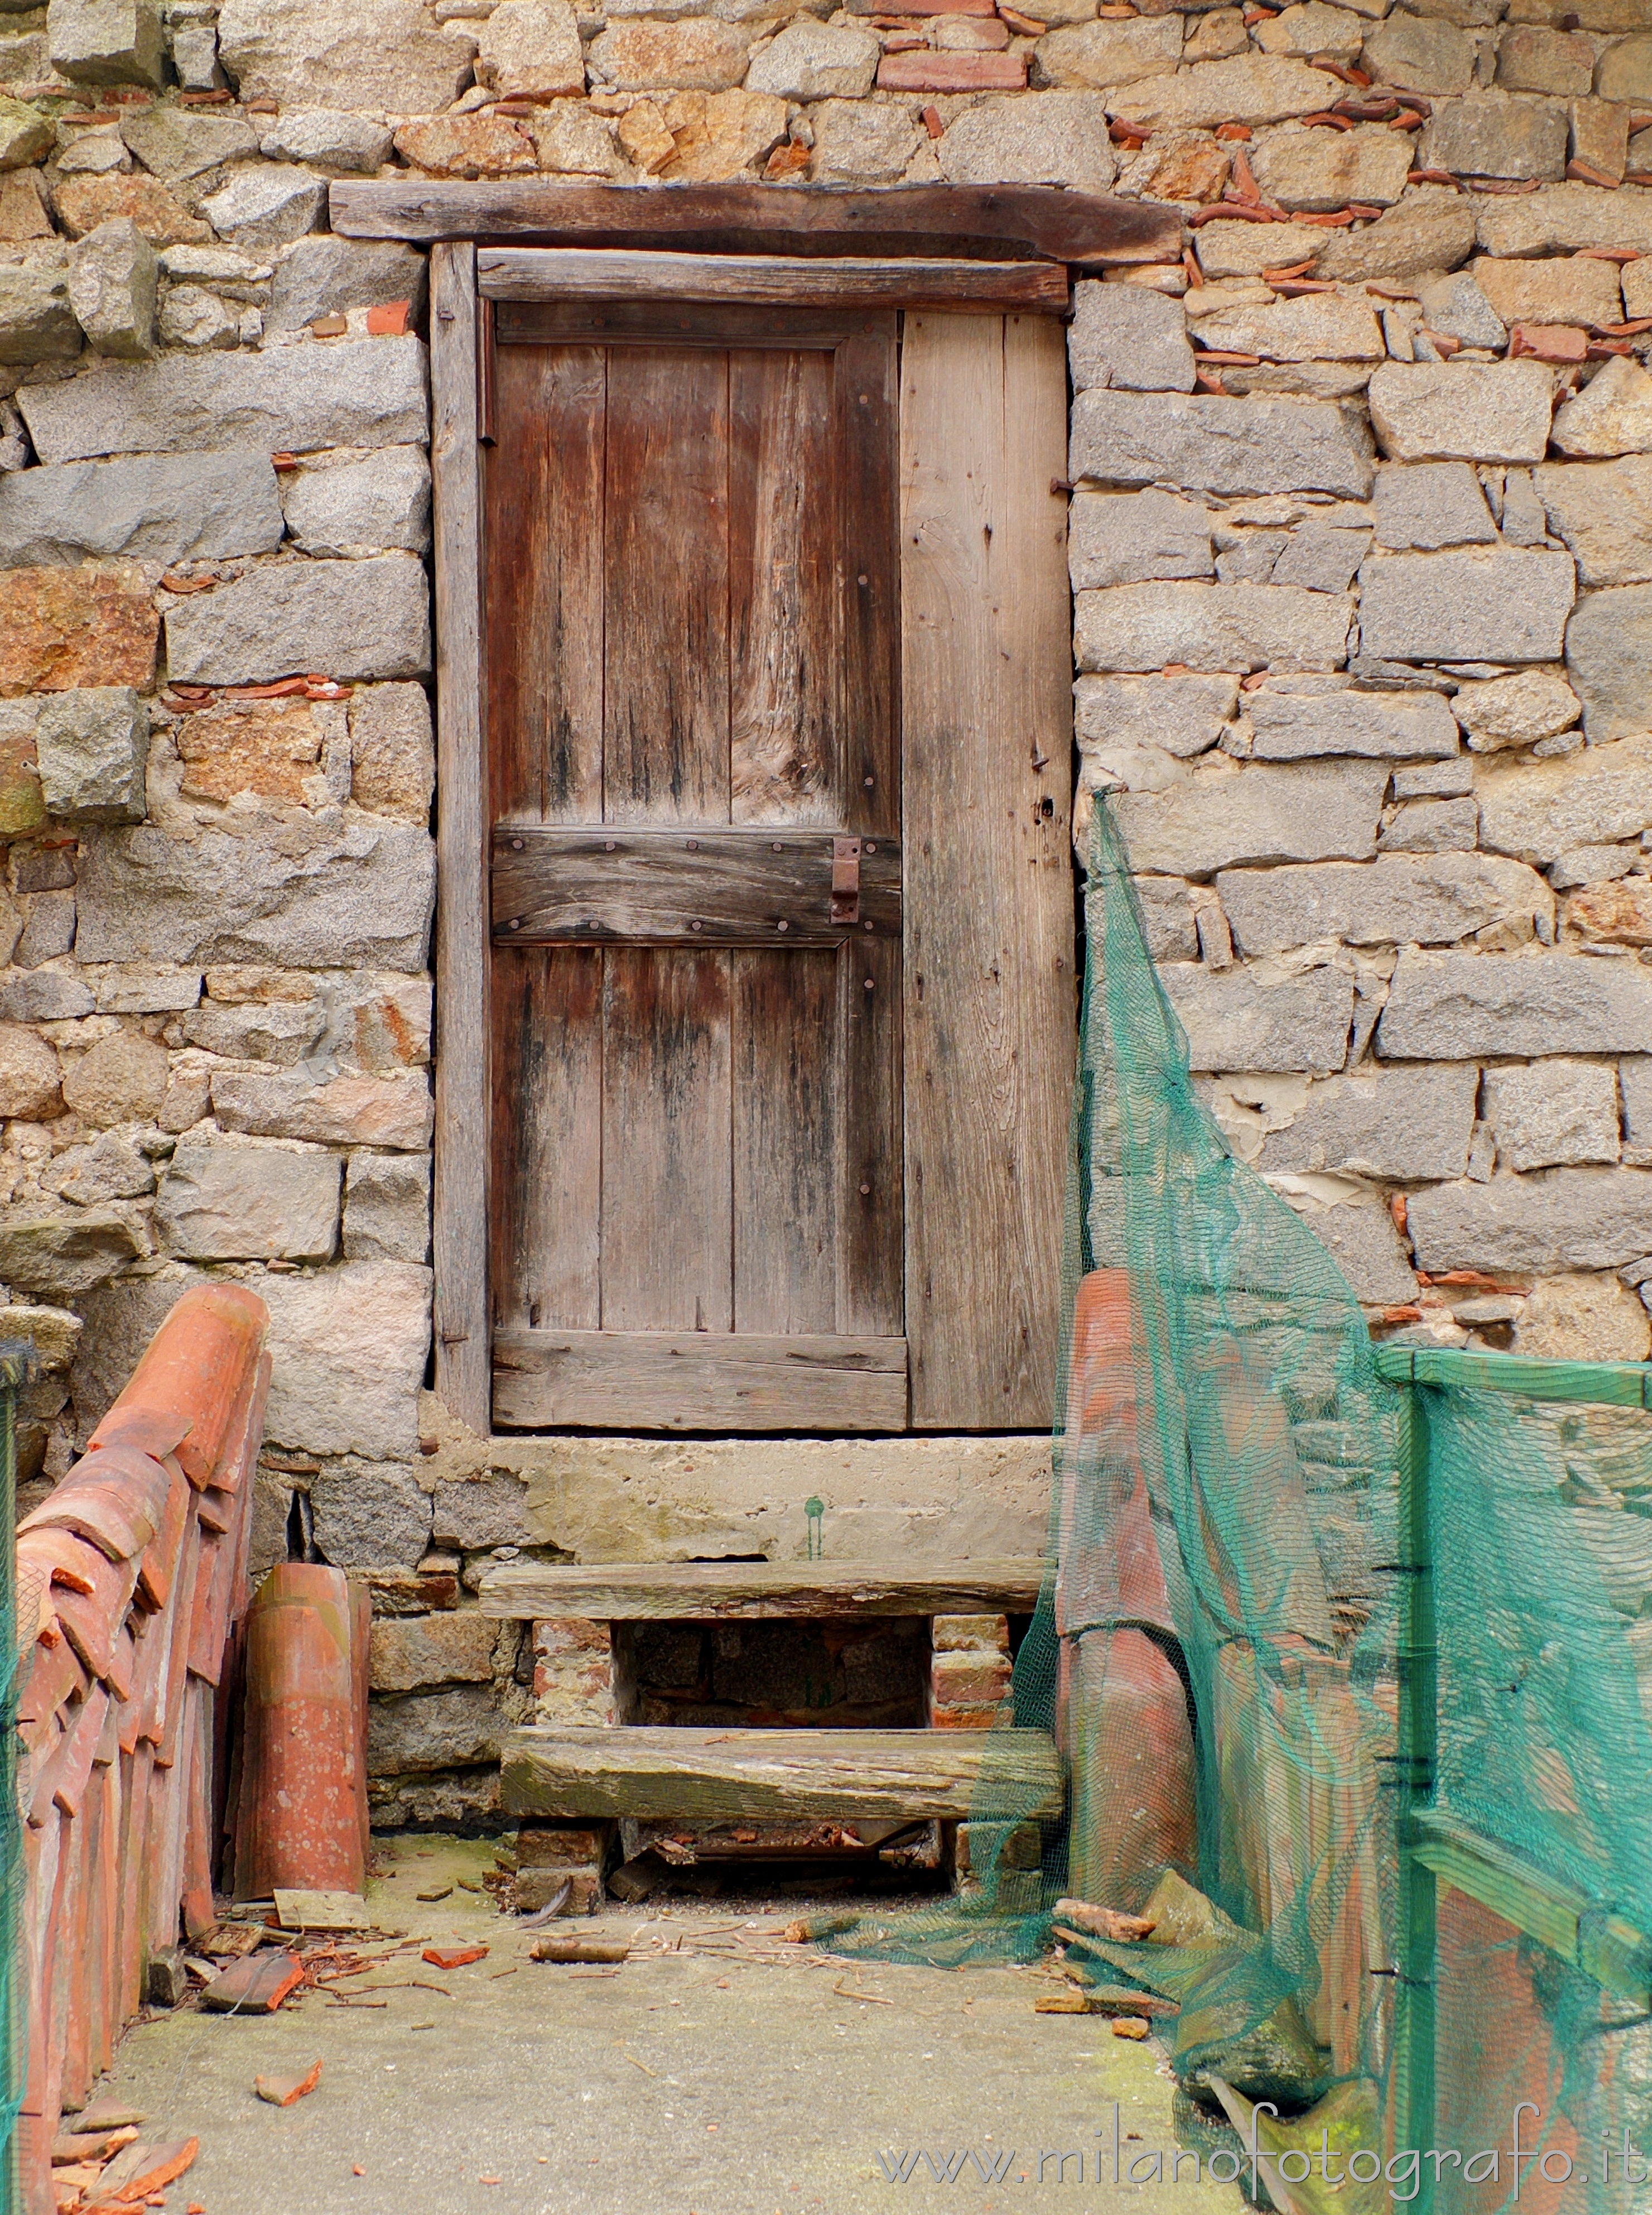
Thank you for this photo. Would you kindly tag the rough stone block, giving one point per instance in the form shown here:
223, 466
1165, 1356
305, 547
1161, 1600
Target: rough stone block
327, 137
45, 995
862, 141
1322, 557
1488, 134
387, 1207
1359, 1235
1291, 725
37, 322
1609, 658
1403, 1124
1431, 229
1574, 1317
360, 894
820, 61
1503, 604
324, 276
1456, 1007
451, 1648
112, 286
85, 203
271, 747
265, 203
1234, 1020
180, 143
1212, 627
571, 140
67, 628
1184, 715
1553, 1112
1611, 415
391, 752
1111, 53
1431, 827
153, 507
342, 1111
25, 135
1427, 505
466, 146
1317, 326
1228, 250
383, 500
1464, 411
530, 49
349, 619
29, 1076
50, 930
1218, 816
353, 392
698, 55
93, 746
1603, 510
246, 1203
1125, 539
1531, 58
111, 1168
1395, 900
65, 1255
480, 1511
1422, 55
1249, 88
1568, 290
1457, 308
1625, 69
1516, 711
1566, 1218
1320, 171
1211, 444
122, 1079
1054, 138
375, 55
1635, 1082
1538, 809
349, 1347
1132, 340
106, 41
1563, 219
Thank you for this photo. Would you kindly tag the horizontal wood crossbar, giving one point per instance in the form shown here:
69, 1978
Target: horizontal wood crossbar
529, 273
933, 222
697, 1381
688, 888
1598, 1384
704, 1592
1605, 1947
698, 1775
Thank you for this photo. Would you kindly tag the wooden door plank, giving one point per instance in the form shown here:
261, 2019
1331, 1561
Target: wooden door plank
548, 1136
787, 1140
989, 993
463, 1092
666, 714
868, 461
667, 1205
777, 1775
783, 726
698, 1380
528, 273
716, 888
937, 221
652, 323
871, 1260
646, 1591
545, 584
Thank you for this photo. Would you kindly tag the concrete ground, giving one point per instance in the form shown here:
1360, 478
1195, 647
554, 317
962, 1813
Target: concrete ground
701, 2079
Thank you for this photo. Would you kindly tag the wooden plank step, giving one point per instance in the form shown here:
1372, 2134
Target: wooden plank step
713, 1591
779, 1776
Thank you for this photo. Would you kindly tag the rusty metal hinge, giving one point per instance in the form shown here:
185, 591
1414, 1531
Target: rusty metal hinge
846, 880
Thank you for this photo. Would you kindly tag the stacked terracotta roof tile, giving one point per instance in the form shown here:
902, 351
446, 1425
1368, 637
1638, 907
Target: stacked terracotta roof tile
132, 1583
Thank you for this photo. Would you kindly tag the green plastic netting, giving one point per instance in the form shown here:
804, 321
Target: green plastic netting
1218, 1654
15, 1364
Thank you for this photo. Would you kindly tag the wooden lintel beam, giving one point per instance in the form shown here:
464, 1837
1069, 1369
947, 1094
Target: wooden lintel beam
697, 1381
709, 1591
539, 272
977, 221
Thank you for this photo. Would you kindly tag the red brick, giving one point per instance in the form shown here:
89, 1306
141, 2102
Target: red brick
928, 72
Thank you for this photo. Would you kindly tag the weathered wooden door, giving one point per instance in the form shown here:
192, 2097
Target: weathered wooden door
779, 1082
692, 616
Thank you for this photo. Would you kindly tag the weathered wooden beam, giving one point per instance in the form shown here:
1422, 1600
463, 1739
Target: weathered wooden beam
713, 1591
700, 1775
689, 888
534, 273
934, 222
697, 1381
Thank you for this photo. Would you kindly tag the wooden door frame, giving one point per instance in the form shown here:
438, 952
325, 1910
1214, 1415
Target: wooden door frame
1047, 230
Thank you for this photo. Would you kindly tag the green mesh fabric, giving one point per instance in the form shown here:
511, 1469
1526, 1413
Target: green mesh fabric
16, 1363
1232, 1653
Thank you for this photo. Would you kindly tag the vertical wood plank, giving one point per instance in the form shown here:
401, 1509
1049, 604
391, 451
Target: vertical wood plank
666, 716
787, 1138
548, 1045
667, 1206
543, 566
463, 1352
989, 994
783, 580
870, 1172
865, 398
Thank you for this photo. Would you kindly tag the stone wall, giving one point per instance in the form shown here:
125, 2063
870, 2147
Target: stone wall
1362, 555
